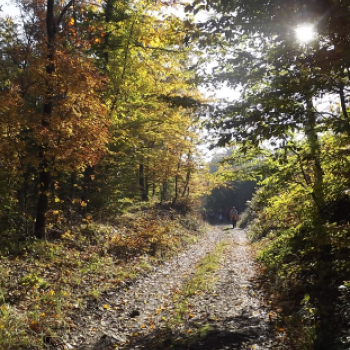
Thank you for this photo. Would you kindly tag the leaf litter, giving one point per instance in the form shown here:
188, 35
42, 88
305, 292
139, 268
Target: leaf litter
156, 312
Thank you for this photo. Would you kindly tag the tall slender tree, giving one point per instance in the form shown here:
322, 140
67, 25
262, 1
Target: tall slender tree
61, 125
151, 95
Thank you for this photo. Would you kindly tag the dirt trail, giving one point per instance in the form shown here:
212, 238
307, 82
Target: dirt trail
138, 316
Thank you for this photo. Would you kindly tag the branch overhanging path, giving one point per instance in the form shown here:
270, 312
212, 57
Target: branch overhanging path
231, 314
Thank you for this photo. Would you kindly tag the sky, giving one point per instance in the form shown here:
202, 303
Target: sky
8, 7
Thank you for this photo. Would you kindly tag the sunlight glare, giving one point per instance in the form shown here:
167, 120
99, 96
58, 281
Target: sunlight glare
305, 33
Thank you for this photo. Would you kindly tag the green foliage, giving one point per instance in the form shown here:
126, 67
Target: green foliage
246, 218
297, 262
151, 101
259, 54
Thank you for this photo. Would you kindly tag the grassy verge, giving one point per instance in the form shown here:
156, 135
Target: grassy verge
203, 281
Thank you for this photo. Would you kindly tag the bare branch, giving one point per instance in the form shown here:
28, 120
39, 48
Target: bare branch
71, 3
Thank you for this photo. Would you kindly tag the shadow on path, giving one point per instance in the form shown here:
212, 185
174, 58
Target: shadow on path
231, 333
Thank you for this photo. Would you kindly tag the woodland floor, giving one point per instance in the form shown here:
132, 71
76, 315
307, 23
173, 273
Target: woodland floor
156, 312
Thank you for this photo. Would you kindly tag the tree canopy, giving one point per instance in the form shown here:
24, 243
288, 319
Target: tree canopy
98, 109
257, 51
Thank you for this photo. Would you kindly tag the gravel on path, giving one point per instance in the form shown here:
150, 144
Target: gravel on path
138, 316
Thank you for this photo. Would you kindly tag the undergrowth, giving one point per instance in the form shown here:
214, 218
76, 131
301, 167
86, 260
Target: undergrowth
43, 283
306, 278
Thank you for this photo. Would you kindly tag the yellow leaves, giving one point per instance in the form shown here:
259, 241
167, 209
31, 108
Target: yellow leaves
68, 235
106, 307
149, 41
160, 310
71, 21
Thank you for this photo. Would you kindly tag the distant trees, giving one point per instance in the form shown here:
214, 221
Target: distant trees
234, 183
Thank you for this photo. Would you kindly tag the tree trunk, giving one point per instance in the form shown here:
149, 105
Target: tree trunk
42, 204
142, 183
164, 191
176, 185
315, 155
188, 176
177, 181
44, 171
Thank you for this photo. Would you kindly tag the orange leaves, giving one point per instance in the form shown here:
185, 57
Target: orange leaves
34, 326
77, 129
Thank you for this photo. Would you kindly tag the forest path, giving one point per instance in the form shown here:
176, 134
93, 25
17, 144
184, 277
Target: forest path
231, 314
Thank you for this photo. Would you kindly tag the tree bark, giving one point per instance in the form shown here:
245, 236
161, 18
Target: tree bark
164, 191
142, 183
188, 176
44, 176
315, 155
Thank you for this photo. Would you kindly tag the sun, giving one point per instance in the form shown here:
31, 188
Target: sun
305, 33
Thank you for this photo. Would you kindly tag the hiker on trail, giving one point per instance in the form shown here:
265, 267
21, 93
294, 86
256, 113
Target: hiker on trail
233, 216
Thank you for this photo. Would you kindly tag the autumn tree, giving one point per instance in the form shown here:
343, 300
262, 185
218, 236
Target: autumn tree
62, 124
151, 98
